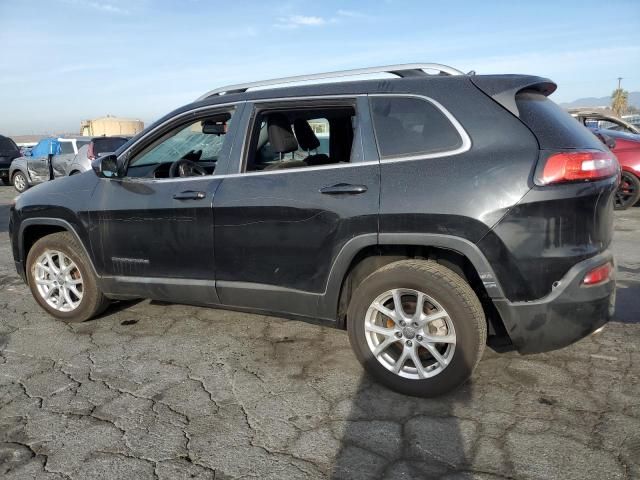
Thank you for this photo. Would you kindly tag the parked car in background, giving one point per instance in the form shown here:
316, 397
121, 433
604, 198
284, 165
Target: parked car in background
594, 119
8, 151
97, 146
417, 230
34, 167
624, 141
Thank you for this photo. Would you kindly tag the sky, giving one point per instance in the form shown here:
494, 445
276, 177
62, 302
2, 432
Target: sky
62, 61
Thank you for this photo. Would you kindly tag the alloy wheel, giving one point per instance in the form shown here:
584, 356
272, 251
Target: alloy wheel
626, 192
58, 281
410, 333
19, 182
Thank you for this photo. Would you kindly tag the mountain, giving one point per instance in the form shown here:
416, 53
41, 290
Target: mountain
634, 100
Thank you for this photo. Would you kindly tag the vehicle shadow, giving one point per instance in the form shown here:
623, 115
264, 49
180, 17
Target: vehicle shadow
388, 435
4, 218
628, 300
117, 306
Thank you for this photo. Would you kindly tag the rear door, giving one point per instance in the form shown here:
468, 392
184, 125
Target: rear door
280, 223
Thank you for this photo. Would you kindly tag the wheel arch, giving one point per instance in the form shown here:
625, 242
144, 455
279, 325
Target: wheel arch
33, 229
458, 254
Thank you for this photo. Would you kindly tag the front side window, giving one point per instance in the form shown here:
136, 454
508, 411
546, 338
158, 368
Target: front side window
301, 137
408, 126
189, 150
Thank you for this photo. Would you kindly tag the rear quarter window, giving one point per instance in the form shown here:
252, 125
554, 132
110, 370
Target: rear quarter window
410, 126
552, 126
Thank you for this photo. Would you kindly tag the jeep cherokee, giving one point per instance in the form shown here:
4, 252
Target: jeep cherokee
443, 212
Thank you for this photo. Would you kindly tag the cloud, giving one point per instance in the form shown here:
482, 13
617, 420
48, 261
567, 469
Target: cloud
104, 7
297, 21
351, 14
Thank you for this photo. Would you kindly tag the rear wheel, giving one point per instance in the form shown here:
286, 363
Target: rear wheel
20, 182
628, 192
6, 181
417, 327
61, 279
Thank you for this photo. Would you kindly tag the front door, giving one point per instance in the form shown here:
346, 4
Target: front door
304, 188
152, 229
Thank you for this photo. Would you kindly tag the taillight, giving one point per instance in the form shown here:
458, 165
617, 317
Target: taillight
578, 166
90, 154
598, 275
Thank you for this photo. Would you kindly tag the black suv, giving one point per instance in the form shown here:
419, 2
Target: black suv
8, 151
429, 215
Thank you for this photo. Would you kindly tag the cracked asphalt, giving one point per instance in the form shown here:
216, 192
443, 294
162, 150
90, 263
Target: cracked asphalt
169, 391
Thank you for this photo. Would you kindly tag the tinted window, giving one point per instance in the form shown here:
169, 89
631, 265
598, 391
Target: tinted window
410, 126
107, 144
552, 126
66, 147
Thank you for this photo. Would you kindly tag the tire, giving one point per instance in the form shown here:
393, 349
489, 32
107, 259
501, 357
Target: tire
75, 172
628, 192
20, 182
63, 247
6, 181
447, 296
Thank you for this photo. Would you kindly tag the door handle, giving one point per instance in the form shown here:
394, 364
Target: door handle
344, 189
189, 195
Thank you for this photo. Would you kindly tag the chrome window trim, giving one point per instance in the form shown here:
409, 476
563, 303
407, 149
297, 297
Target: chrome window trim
464, 136
465, 147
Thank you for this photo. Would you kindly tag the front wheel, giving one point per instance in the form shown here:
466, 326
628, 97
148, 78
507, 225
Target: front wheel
628, 192
61, 279
417, 327
20, 182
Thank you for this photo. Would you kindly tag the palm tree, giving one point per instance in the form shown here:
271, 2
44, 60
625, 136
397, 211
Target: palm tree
619, 99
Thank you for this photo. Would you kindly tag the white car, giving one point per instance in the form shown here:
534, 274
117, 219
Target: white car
34, 167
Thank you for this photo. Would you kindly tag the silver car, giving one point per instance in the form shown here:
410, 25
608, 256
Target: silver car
94, 148
30, 170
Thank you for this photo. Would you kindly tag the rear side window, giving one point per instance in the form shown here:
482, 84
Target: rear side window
552, 126
408, 126
107, 144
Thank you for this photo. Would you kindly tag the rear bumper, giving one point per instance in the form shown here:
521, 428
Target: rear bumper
570, 312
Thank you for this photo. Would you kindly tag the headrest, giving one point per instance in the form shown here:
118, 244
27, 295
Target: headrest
280, 135
305, 135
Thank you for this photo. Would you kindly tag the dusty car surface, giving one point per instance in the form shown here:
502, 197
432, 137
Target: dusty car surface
445, 215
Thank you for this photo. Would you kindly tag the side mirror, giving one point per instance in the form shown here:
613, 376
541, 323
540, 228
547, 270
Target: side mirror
106, 166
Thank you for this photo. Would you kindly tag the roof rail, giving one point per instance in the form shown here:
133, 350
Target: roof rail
401, 70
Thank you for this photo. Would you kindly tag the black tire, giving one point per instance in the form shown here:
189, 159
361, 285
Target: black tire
6, 181
24, 182
93, 302
75, 172
452, 293
628, 192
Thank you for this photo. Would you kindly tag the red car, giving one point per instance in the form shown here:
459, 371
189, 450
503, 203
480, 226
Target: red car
624, 141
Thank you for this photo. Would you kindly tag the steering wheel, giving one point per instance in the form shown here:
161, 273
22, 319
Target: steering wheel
185, 168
